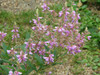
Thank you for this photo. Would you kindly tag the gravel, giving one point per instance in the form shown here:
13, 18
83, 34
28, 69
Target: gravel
20, 5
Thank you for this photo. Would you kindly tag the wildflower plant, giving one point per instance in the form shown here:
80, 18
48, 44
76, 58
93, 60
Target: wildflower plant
15, 33
2, 36
64, 34
38, 51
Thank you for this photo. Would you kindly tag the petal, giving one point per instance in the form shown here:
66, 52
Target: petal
8, 51
46, 58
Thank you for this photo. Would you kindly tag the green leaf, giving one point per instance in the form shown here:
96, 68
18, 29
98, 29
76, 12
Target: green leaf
39, 60
68, 4
6, 61
88, 65
4, 67
33, 67
55, 54
23, 71
99, 34
97, 60
5, 50
97, 20
92, 29
23, 47
94, 67
47, 48
78, 62
98, 64
86, 46
98, 0
27, 36
23, 67
4, 47
84, 7
84, 61
84, 0
29, 71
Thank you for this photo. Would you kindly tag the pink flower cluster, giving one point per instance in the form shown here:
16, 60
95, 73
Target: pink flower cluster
73, 49
22, 57
29, 46
2, 35
15, 33
12, 51
39, 49
49, 58
65, 34
45, 7
35, 47
14, 73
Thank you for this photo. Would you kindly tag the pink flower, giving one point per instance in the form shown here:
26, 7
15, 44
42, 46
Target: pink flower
74, 13
60, 13
15, 73
35, 22
49, 59
67, 32
29, 45
89, 37
67, 13
30, 52
2, 35
45, 7
71, 25
12, 51
51, 11
14, 30
78, 16
10, 73
39, 18
73, 49
42, 52
53, 43
15, 36
56, 28
15, 33
50, 73
22, 57
33, 28
61, 29
48, 33
46, 43
73, 4
30, 21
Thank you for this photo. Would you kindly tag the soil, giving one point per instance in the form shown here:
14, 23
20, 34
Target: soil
20, 5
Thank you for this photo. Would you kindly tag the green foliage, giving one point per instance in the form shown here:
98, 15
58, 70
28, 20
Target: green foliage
39, 60
4, 51
91, 59
91, 1
92, 22
47, 48
26, 69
